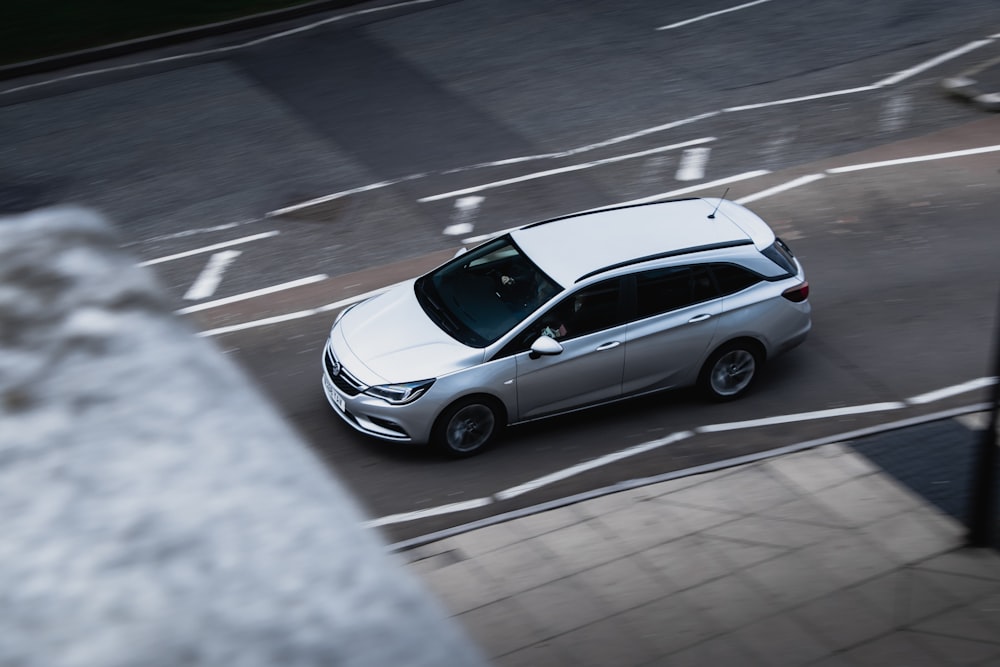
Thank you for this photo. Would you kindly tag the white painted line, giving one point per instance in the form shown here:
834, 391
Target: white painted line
600, 461
563, 170
933, 62
464, 215
430, 511
954, 390
210, 277
589, 147
297, 315
917, 158
795, 183
708, 16
209, 248
693, 188
894, 114
223, 49
337, 195
486, 237
802, 416
190, 232
804, 98
252, 295
693, 162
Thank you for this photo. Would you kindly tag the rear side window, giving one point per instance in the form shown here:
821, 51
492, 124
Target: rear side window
779, 253
731, 278
662, 290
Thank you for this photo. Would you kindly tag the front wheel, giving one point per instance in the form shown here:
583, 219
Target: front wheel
467, 427
730, 371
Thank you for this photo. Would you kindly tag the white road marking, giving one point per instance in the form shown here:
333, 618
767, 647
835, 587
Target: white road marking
464, 215
803, 416
795, 183
210, 277
430, 511
589, 147
933, 62
916, 158
210, 248
710, 15
693, 188
895, 113
804, 98
563, 170
337, 195
190, 232
953, 390
564, 473
646, 131
277, 319
600, 461
693, 162
223, 49
252, 295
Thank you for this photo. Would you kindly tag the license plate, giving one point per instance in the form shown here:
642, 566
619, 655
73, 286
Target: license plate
337, 399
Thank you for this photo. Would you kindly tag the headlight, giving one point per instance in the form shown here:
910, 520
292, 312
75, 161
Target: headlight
399, 394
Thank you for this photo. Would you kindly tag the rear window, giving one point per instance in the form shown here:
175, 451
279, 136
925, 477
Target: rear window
779, 253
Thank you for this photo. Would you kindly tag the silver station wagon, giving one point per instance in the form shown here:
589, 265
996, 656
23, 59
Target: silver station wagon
565, 314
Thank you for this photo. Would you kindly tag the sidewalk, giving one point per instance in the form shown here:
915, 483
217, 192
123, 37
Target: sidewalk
813, 558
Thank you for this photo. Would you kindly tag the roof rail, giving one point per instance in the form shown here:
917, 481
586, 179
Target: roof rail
602, 210
671, 253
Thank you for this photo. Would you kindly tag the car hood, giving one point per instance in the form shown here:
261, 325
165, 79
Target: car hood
393, 337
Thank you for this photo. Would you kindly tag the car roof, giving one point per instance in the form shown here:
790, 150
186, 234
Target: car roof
581, 244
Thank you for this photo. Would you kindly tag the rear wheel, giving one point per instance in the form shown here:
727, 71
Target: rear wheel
467, 427
730, 371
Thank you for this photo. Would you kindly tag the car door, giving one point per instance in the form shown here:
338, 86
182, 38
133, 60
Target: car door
589, 325
676, 317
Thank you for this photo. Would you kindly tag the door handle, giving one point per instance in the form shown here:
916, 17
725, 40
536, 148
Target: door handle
700, 318
608, 346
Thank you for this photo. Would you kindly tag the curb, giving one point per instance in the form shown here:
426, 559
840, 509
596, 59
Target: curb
74, 58
627, 485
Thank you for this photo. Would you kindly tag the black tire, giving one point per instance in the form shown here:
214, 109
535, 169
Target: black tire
467, 427
730, 371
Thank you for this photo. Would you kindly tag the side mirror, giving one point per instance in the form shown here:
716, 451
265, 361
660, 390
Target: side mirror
544, 345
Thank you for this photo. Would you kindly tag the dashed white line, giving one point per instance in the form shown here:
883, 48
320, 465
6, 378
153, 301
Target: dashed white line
210, 248
563, 170
804, 98
802, 416
694, 188
693, 162
600, 461
252, 295
464, 215
916, 158
210, 277
933, 62
430, 511
191, 232
277, 319
712, 14
338, 195
953, 390
795, 183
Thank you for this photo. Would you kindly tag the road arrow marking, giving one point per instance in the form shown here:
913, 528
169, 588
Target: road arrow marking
210, 277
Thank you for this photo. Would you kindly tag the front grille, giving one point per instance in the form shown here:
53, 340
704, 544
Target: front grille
346, 382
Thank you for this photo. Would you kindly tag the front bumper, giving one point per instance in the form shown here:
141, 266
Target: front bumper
369, 415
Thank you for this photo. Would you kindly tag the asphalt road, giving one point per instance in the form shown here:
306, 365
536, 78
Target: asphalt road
540, 109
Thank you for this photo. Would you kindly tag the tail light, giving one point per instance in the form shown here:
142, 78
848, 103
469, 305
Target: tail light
797, 294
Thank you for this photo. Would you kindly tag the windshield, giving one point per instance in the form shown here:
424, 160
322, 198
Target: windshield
481, 295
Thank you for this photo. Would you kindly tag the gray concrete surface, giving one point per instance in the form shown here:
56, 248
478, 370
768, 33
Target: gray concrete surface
156, 511
814, 558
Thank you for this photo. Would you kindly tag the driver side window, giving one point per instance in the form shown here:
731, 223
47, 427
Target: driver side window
583, 312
